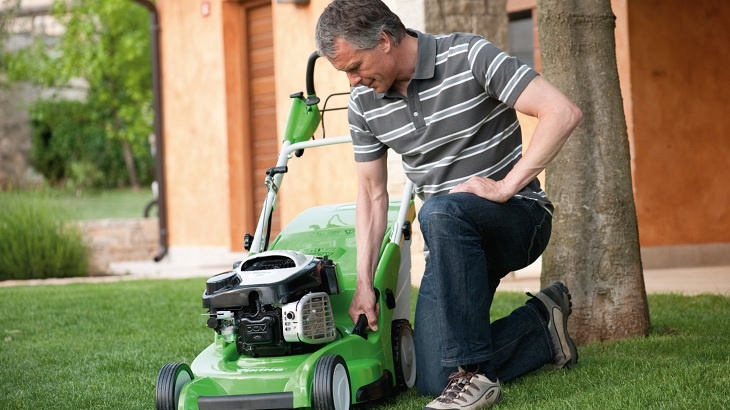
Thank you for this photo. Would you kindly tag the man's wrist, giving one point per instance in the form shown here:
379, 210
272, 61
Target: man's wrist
505, 192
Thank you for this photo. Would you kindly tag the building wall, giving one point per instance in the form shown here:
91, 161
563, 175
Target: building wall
674, 229
323, 175
204, 201
411, 12
623, 64
681, 96
679, 143
327, 175
195, 124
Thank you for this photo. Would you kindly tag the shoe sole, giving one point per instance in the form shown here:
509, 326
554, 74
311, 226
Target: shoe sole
558, 323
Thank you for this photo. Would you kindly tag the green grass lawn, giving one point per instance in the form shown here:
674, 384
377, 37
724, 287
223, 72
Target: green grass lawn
116, 203
100, 346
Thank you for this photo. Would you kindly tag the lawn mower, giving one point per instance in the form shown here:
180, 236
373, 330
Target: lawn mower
283, 338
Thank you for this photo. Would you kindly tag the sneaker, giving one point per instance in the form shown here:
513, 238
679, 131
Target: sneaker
556, 299
467, 390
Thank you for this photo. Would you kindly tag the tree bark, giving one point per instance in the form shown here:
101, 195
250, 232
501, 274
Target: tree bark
129, 162
595, 244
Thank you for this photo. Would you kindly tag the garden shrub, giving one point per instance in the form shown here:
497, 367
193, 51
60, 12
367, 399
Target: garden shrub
84, 175
71, 147
35, 243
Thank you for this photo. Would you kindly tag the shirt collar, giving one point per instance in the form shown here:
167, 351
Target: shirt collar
425, 63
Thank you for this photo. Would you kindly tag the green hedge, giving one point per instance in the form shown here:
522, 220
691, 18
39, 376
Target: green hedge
35, 243
71, 147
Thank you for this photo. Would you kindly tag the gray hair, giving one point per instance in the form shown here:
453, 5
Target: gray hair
359, 22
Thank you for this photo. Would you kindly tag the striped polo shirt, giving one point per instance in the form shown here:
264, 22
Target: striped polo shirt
457, 120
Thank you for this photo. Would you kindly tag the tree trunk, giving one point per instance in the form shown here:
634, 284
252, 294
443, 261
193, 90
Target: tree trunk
129, 161
595, 244
487, 18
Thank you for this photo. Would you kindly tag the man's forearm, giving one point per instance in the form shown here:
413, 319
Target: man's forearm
371, 216
548, 138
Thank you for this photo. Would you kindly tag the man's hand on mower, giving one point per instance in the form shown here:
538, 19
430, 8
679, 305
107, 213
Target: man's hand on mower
365, 302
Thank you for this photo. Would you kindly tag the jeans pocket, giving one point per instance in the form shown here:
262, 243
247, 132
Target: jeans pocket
541, 233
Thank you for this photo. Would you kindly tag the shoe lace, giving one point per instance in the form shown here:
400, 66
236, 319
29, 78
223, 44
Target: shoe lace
457, 387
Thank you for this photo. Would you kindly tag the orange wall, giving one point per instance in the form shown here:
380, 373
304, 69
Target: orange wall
681, 102
195, 123
676, 111
196, 130
324, 175
623, 64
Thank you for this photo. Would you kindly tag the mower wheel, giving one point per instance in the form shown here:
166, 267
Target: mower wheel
404, 354
170, 381
331, 389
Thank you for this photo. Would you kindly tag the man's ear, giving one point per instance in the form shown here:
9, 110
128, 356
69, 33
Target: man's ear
385, 43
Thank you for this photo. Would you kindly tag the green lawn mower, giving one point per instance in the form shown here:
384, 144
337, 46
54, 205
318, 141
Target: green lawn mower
283, 336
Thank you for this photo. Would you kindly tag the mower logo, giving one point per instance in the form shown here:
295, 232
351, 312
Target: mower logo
331, 252
256, 328
261, 370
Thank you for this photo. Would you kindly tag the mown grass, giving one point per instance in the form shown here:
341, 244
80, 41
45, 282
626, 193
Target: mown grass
102, 204
100, 346
116, 204
95, 346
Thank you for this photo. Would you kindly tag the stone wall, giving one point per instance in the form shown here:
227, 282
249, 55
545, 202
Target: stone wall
119, 240
31, 22
15, 140
486, 18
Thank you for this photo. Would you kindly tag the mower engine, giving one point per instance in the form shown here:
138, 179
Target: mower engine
274, 303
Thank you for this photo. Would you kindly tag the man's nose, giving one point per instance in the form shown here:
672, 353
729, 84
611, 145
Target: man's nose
354, 79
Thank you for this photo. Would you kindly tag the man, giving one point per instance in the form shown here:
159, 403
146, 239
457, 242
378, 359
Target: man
448, 105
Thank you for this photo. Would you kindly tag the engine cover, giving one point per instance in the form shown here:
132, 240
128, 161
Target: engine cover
277, 277
274, 303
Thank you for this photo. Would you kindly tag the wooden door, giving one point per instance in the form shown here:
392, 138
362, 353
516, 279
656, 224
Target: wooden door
262, 107
250, 112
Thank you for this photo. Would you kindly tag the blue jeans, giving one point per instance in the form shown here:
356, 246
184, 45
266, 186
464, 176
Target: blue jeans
473, 243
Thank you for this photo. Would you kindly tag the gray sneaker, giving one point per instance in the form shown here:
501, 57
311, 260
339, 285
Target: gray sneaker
467, 390
556, 299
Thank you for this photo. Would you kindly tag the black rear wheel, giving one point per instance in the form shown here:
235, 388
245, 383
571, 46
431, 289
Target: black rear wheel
404, 354
170, 381
331, 389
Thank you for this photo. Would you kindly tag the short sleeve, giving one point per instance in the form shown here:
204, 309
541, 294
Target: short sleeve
503, 77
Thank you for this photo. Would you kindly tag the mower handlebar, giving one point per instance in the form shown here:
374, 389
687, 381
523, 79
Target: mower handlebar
310, 73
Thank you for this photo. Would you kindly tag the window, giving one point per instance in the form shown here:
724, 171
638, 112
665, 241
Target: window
520, 37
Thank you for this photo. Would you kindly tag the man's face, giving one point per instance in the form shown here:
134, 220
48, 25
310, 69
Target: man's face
372, 68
